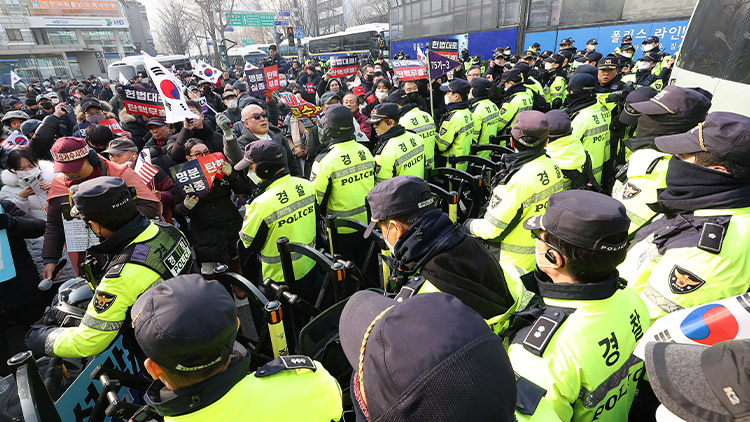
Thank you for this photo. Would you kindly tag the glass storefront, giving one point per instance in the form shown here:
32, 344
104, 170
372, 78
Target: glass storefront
35, 67
62, 36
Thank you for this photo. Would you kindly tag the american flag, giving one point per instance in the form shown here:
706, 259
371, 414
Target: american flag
145, 170
14, 141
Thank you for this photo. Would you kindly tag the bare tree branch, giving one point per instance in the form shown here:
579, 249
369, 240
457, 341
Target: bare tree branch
174, 27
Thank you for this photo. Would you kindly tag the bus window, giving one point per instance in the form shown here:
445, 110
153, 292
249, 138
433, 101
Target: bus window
362, 41
349, 44
738, 69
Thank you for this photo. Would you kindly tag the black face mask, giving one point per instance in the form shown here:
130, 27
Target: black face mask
206, 91
47, 106
414, 97
369, 78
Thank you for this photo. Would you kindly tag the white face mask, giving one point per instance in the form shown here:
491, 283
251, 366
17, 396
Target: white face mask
643, 65
380, 95
648, 47
55, 100
232, 104
29, 177
538, 260
447, 98
283, 83
548, 66
628, 55
390, 247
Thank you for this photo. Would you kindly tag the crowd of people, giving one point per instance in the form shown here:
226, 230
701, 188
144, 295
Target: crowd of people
617, 200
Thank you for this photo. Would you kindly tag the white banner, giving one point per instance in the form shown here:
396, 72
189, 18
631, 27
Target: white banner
14, 79
207, 72
169, 89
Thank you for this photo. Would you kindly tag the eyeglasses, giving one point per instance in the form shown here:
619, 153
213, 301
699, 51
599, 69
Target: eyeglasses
258, 116
203, 153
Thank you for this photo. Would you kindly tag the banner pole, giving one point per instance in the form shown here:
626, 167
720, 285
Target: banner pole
429, 84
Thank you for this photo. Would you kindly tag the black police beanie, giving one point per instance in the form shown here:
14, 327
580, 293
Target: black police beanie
339, 122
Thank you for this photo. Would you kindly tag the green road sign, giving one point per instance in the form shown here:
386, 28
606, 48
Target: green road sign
251, 19
249, 42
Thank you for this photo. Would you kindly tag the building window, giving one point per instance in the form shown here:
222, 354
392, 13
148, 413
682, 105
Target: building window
14, 34
62, 37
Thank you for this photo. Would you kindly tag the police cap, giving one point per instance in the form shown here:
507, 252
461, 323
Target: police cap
567, 41
586, 68
529, 54
398, 196
559, 124
481, 86
523, 67
675, 100
497, 54
651, 39
266, 154
103, 194
650, 57
629, 115
592, 56
724, 134
512, 75
626, 47
626, 39
186, 323
457, 85
378, 336
383, 111
592, 41
607, 63
555, 58
567, 54
536, 45
530, 128
584, 219
396, 95
582, 82
546, 53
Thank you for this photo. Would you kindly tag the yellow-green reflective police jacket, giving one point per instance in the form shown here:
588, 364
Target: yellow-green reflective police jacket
518, 99
711, 265
286, 208
557, 90
118, 290
591, 126
400, 153
523, 193
647, 172
421, 123
456, 132
300, 395
567, 152
343, 176
577, 357
486, 117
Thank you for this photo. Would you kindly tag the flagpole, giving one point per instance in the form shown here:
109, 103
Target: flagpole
429, 85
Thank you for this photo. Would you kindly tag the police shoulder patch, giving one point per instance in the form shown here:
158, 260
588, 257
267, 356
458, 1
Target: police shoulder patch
630, 190
284, 363
503, 110
443, 130
495, 201
103, 301
683, 281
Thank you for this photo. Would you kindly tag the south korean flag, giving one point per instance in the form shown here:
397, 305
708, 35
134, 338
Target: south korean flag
207, 72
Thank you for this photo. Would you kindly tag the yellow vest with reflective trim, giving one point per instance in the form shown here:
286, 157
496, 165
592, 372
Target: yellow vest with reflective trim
557, 89
307, 397
287, 208
402, 155
591, 126
523, 196
486, 118
456, 135
422, 124
348, 171
567, 152
520, 101
647, 172
588, 367
706, 276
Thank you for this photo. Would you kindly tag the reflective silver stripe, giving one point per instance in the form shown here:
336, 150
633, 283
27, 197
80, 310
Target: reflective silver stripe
489, 117
409, 155
430, 161
495, 221
424, 128
545, 193
49, 342
100, 324
338, 174
320, 193
246, 238
349, 213
520, 109
289, 209
595, 131
660, 300
591, 399
597, 169
524, 250
447, 144
556, 94
635, 218
503, 121
277, 259
465, 129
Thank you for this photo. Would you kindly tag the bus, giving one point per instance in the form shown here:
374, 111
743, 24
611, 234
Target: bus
130, 66
715, 54
253, 54
285, 50
371, 39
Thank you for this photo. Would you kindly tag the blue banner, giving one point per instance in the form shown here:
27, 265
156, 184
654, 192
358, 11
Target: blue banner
7, 268
479, 43
670, 33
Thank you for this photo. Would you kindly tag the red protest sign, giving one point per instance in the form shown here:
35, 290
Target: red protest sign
409, 70
211, 165
343, 66
272, 77
113, 125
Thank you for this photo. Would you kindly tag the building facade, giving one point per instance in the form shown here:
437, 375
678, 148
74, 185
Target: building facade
68, 38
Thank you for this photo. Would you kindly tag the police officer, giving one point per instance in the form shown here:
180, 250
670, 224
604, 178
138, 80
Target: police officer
651, 45
134, 255
608, 76
590, 120
567, 151
413, 119
521, 192
592, 44
285, 207
567, 45
574, 354
432, 254
516, 98
457, 126
485, 113
674, 110
555, 80
187, 327
625, 41
399, 152
697, 252
650, 72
